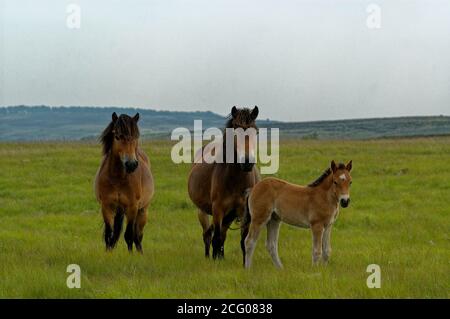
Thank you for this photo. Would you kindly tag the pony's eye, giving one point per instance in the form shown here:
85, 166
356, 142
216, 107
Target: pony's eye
335, 183
117, 138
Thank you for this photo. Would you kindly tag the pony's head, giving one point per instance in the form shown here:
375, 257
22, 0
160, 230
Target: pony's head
243, 122
342, 181
121, 138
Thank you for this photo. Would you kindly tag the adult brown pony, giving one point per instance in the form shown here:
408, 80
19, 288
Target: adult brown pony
123, 183
315, 206
218, 189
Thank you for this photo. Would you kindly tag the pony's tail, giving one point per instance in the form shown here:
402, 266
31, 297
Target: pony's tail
118, 223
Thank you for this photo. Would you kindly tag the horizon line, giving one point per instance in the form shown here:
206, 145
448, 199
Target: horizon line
224, 116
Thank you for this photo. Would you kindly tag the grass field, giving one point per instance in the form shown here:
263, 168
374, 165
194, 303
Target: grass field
399, 219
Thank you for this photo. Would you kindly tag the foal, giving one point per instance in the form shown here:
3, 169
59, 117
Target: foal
315, 206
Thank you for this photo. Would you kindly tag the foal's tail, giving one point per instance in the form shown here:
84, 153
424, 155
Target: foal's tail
247, 218
245, 223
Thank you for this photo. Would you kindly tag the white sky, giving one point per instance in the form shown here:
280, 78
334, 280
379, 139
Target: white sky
296, 60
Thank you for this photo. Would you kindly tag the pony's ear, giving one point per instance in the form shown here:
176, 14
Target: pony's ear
255, 113
349, 166
114, 117
333, 166
234, 111
136, 117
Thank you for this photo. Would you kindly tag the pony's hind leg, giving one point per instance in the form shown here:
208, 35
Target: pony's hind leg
273, 228
203, 218
141, 221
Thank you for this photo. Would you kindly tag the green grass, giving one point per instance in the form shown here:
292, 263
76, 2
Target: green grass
399, 219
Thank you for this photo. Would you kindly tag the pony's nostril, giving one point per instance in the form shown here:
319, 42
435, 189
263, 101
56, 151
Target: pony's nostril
345, 202
247, 167
249, 160
130, 166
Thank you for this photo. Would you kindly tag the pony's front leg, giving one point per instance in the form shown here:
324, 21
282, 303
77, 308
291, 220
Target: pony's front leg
131, 213
226, 223
317, 234
141, 221
245, 225
108, 218
129, 234
217, 243
326, 244
203, 218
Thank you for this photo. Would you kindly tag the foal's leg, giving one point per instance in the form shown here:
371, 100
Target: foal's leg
326, 244
250, 242
141, 220
203, 218
108, 218
273, 228
317, 234
245, 225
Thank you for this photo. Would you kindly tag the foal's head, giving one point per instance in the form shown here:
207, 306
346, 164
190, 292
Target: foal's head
121, 138
342, 181
243, 122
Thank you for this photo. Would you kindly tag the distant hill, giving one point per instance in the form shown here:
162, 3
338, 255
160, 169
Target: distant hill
34, 123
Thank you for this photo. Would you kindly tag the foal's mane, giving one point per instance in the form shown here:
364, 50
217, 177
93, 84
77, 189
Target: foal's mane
324, 175
124, 125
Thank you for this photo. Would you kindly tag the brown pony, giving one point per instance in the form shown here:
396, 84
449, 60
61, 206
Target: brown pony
123, 183
315, 206
218, 189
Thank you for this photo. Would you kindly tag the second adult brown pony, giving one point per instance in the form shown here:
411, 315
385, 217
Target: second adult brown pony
218, 189
123, 184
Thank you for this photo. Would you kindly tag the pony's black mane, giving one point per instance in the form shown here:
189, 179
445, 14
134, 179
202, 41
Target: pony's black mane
124, 125
243, 119
324, 175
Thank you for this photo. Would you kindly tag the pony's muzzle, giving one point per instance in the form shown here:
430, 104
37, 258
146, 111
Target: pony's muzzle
130, 166
247, 163
345, 202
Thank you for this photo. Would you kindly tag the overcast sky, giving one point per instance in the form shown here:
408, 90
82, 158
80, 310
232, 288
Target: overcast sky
296, 60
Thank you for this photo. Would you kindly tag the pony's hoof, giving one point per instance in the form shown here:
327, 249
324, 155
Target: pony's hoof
218, 257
